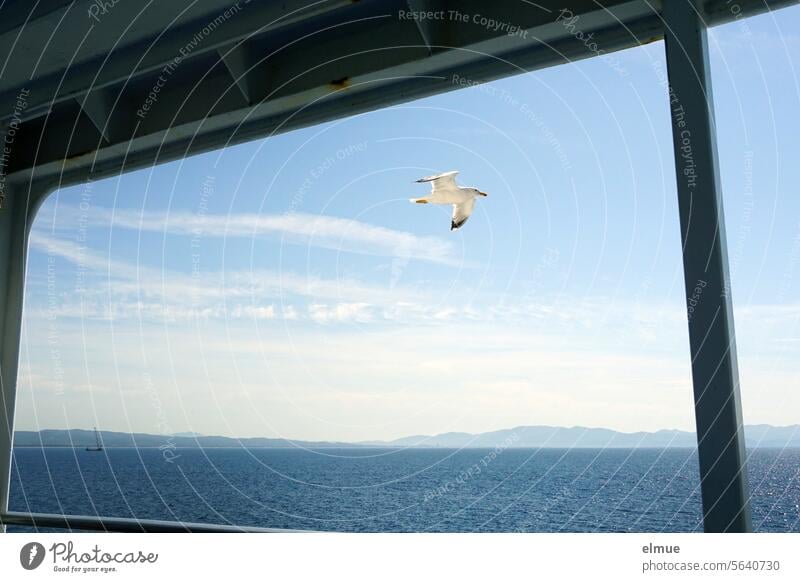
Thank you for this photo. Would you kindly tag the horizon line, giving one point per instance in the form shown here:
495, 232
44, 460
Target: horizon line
195, 435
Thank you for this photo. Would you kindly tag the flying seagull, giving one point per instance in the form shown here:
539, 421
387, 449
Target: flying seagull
444, 190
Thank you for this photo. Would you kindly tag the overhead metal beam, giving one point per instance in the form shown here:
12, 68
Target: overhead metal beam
318, 58
718, 409
131, 39
718, 12
245, 74
98, 107
339, 83
426, 27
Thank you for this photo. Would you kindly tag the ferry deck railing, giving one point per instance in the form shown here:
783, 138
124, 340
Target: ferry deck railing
123, 525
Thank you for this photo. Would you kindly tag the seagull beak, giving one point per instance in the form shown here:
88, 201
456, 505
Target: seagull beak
482, 193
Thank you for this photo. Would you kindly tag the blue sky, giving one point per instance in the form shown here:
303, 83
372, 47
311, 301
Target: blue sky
287, 287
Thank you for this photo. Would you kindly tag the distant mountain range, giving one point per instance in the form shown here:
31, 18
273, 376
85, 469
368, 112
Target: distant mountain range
83, 438
759, 435
762, 435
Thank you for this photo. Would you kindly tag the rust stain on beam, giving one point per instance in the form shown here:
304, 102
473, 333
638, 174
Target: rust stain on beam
339, 84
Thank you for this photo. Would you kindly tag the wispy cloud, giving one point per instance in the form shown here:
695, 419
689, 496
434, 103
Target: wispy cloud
341, 234
115, 289
322, 313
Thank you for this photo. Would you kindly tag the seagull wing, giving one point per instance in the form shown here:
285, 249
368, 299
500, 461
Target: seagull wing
446, 181
461, 213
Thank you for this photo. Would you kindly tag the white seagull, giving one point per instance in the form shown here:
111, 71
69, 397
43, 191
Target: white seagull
444, 190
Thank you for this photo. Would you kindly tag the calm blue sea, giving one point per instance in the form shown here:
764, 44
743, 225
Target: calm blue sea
372, 490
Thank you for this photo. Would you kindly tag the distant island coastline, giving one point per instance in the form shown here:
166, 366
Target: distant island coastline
760, 435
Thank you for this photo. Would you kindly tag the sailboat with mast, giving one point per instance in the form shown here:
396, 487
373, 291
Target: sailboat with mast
98, 445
